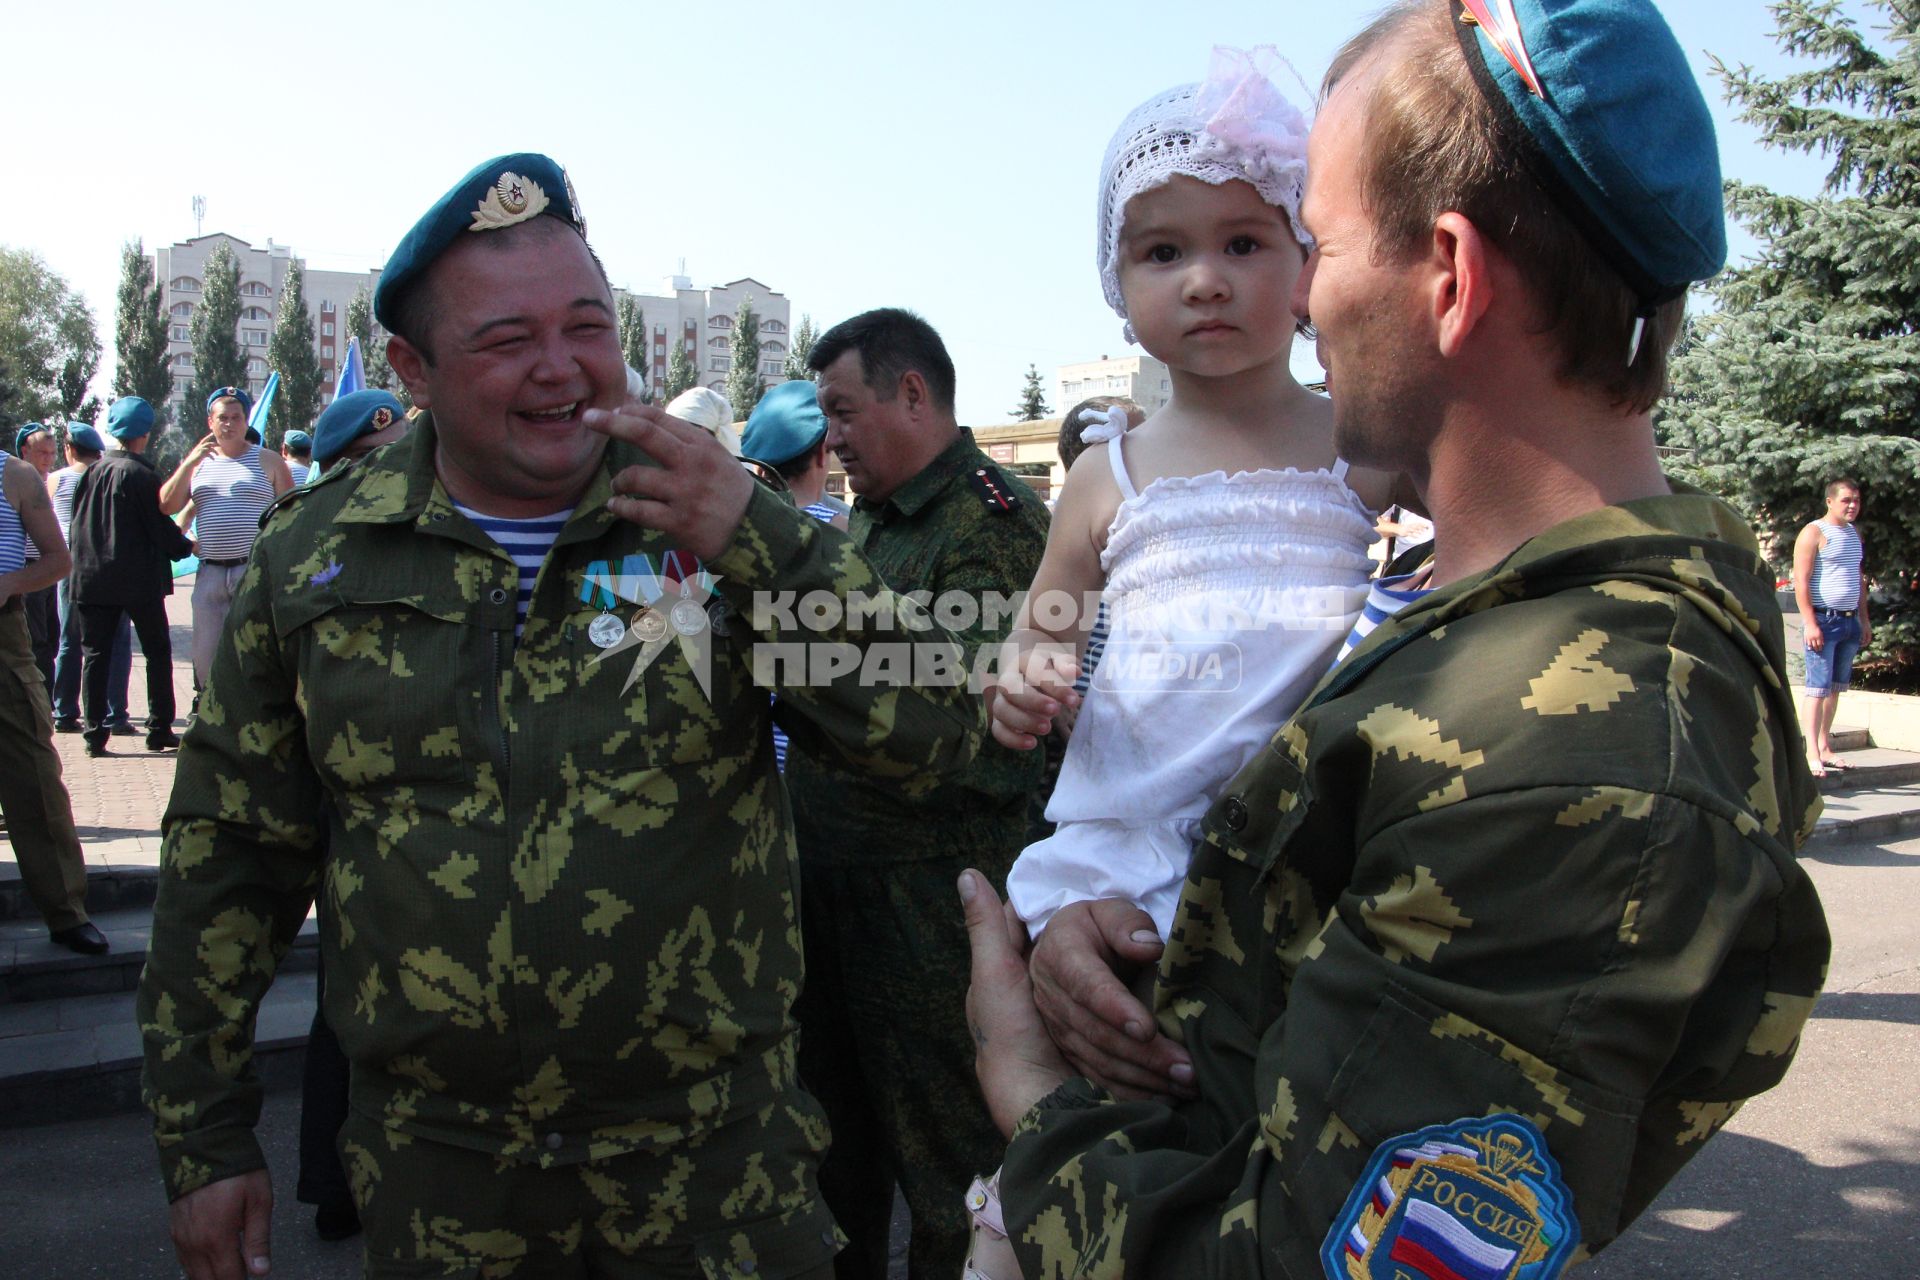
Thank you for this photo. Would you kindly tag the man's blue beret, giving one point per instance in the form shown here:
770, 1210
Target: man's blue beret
1625, 131
298, 440
130, 418
21, 436
83, 436
353, 415
785, 424
503, 192
237, 393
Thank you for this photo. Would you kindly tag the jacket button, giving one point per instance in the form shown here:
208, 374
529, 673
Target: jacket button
555, 1142
498, 595
1234, 813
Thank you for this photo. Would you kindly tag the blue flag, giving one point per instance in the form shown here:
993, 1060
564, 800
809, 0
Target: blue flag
258, 418
353, 377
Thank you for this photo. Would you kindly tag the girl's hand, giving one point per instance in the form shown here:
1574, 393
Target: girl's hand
1030, 689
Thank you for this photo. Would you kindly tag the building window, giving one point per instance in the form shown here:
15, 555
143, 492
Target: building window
180, 333
720, 322
254, 313
772, 366
772, 346
256, 338
772, 326
719, 342
326, 307
180, 309
718, 364
326, 329
254, 289
326, 352
256, 367
184, 284
184, 359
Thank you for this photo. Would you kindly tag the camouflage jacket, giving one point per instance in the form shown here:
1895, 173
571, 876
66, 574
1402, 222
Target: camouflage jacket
965, 536
1529, 850
560, 911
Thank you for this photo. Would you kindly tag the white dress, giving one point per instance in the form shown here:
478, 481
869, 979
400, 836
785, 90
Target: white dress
1229, 597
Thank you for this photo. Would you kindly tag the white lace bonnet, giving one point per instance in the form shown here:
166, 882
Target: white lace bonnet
1234, 125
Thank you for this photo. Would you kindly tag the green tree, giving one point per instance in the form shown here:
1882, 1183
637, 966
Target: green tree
1808, 367
140, 333
1033, 399
681, 375
47, 342
802, 347
744, 383
218, 360
290, 354
373, 346
633, 340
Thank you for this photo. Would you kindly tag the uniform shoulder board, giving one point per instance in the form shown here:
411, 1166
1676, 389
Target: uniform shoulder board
988, 483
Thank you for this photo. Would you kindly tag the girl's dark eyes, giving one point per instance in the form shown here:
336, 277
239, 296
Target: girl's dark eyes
1242, 245
1163, 253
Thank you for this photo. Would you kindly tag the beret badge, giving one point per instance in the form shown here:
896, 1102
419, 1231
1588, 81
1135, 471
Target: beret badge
510, 200
382, 418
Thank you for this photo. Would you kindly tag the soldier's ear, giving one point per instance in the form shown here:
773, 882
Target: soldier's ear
914, 387
411, 364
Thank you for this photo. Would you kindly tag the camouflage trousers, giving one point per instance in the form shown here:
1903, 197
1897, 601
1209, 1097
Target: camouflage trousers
740, 1203
39, 814
884, 1046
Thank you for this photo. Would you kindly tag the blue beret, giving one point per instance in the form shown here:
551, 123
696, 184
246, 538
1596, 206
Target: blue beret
21, 436
298, 440
500, 193
785, 424
237, 393
82, 436
130, 418
353, 415
1625, 131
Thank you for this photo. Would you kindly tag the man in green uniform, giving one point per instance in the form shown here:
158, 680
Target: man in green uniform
560, 937
883, 1039
1507, 920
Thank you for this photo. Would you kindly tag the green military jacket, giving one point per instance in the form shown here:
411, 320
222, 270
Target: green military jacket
1529, 850
963, 530
560, 911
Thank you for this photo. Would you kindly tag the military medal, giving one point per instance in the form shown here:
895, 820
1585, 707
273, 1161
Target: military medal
605, 631
649, 626
689, 619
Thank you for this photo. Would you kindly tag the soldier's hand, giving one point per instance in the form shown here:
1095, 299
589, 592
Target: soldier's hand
220, 1231
1013, 1057
1078, 967
1815, 638
1032, 686
698, 493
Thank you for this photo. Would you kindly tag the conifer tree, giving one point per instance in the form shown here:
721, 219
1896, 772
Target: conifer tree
47, 342
744, 383
1033, 399
218, 360
681, 375
140, 333
803, 339
633, 340
290, 354
1808, 367
373, 346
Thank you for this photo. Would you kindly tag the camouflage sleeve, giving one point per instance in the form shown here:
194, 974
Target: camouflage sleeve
854, 663
1622, 969
977, 593
239, 864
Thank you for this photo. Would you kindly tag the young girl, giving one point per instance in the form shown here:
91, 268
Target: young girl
1226, 539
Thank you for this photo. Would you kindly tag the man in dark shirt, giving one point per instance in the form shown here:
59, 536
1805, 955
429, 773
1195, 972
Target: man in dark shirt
883, 1041
122, 552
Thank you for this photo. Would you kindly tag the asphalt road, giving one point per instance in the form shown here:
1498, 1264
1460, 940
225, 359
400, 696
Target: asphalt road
1820, 1178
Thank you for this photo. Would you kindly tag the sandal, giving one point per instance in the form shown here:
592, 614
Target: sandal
991, 1257
1838, 766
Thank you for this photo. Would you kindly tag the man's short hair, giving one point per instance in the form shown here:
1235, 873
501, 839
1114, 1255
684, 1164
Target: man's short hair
1838, 483
1070, 445
1434, 144
414, 313
891, 342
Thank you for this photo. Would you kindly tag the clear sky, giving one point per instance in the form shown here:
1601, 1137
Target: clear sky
850, 155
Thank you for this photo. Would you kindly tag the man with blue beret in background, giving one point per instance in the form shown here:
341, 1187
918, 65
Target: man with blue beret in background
355, 425
1507, 921
296, 450
513, 662
123, 549
84, 448
787, 430
33, 799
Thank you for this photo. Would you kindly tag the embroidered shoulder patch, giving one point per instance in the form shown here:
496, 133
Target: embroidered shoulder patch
1472, 1200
